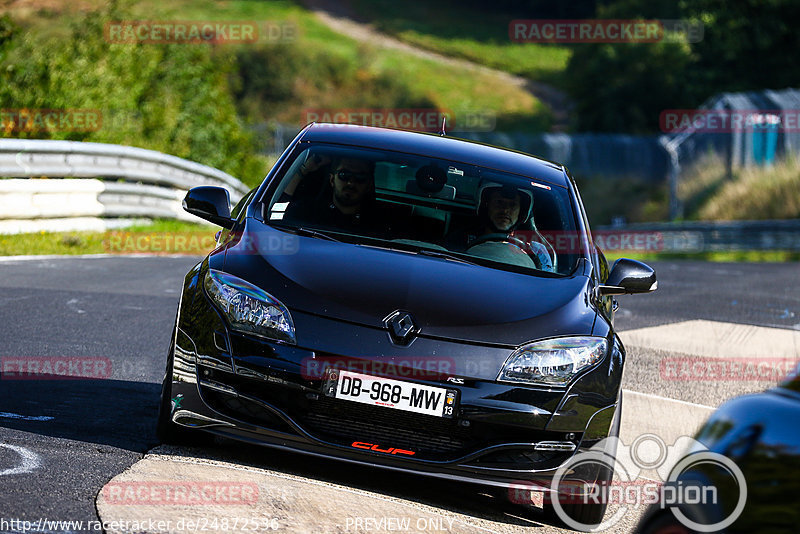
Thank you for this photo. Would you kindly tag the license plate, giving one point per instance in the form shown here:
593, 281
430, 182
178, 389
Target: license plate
389, 393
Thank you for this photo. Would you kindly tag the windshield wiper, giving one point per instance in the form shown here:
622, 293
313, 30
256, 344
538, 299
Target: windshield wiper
444, 255
441, 254
309, 232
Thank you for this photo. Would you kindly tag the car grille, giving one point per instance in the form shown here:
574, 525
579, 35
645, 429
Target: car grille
344, 422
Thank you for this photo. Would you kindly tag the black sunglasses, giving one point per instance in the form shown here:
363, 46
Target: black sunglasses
350, 176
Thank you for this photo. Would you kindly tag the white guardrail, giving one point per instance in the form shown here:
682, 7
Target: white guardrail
108, 186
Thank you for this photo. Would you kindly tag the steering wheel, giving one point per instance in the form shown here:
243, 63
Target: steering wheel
511, 240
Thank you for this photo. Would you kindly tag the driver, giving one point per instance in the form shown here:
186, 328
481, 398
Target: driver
502, 209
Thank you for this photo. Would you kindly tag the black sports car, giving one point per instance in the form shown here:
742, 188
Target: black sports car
405, 300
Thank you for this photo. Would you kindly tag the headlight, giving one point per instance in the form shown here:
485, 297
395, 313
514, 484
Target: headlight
553, 361
248, 308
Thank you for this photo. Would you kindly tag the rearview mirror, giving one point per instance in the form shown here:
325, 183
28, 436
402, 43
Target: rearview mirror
628, 277
210, 203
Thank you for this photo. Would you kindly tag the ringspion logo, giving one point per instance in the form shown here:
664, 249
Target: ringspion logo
586, 479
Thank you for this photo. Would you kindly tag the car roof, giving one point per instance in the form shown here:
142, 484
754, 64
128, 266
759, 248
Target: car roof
437, 146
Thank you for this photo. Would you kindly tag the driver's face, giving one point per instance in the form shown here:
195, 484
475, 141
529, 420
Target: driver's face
351, 180
503, 212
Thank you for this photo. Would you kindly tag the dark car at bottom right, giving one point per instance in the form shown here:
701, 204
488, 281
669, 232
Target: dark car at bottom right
760, 436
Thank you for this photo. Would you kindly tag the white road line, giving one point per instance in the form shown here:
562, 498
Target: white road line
72, 304
669, 419
660, 398
9, 415
30, 460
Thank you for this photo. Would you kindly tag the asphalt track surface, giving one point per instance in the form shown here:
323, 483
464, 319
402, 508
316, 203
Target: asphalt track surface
61, 441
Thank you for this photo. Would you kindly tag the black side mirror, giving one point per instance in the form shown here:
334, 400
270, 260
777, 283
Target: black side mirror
629, 276
210, 203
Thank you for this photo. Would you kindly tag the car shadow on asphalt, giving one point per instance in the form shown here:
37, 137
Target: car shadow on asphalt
117, 413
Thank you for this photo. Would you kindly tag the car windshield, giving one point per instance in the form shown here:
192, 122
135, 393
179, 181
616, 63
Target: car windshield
430, 206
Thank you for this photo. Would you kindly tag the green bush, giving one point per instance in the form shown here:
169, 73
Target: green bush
172, 98
279, 82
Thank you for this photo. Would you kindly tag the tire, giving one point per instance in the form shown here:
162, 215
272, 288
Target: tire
593, 513
167, 431
590, 514
664, 523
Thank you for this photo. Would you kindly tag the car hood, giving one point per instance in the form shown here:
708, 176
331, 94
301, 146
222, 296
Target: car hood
363, 285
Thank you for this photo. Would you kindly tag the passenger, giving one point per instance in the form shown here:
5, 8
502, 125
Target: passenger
502, 211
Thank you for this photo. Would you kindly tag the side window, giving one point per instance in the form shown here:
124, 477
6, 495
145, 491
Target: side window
242, 203
598, 258
604, 271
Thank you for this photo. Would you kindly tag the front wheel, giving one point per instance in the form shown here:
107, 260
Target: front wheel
166, 430
591, 513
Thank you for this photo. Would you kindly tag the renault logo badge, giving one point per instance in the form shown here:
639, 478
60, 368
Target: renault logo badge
402, 328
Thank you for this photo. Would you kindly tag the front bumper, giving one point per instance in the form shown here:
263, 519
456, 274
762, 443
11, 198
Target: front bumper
271, 393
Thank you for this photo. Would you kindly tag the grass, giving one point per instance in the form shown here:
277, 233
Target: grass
607, 197
321, 68
158, 237
416, 79
749, 256
752, 193
458, 30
